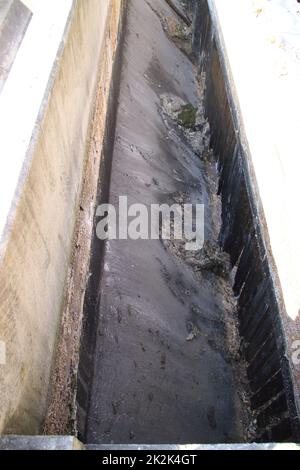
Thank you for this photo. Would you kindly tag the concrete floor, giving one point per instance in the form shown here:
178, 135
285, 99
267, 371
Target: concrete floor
150, 385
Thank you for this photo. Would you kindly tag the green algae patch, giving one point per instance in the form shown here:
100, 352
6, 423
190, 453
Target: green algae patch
187, 116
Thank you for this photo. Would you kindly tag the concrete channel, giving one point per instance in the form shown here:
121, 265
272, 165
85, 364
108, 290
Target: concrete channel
173, 349
143, 376
149, 383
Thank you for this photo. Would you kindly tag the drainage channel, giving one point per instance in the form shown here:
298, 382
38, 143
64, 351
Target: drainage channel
161, 357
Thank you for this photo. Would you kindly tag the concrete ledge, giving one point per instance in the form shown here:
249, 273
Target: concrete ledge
40, 443
71, 443
198, 447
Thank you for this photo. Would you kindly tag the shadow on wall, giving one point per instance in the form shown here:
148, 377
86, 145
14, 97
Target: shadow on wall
270, 372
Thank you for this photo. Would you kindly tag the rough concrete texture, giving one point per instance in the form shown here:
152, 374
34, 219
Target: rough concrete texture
61, 410
40, 443
35, 263
164, 370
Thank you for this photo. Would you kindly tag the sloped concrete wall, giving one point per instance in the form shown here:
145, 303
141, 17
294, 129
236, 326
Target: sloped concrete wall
39, 239
248, 213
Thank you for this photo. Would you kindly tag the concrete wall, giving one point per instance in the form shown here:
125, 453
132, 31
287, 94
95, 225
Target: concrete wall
37, 241
65, 413
249, 212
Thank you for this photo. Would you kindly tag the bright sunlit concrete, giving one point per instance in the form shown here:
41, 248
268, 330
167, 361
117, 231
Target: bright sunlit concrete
22, 97
263, 46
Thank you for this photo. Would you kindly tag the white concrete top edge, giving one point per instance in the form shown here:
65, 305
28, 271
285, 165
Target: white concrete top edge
191, 447
22, 97
70, 442
262, 41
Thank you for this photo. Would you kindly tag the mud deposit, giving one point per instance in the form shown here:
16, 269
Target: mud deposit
166, 363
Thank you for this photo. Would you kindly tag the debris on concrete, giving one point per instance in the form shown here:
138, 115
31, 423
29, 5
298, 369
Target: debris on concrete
191, 122
193, 331
185, 301
212, 258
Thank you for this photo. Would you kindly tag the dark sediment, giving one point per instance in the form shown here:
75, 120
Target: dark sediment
166, 363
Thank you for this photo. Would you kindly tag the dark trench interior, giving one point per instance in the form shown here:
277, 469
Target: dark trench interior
180, 347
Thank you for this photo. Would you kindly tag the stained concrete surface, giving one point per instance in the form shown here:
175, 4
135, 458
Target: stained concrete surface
45, 115
150, 384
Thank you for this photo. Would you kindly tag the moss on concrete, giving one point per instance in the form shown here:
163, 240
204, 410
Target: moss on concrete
187, 116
